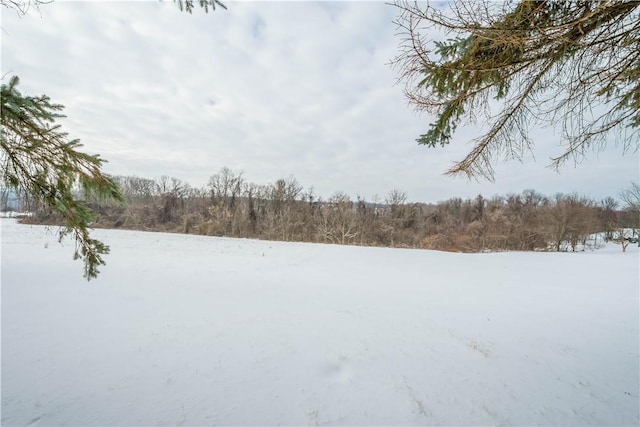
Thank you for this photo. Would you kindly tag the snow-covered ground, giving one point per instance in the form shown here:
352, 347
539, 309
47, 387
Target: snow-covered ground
14, 214
189, 330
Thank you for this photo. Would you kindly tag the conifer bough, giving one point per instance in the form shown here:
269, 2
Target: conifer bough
188, 5
517, 65
38, 160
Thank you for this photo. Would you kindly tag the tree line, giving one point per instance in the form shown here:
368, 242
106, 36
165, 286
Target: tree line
231, 206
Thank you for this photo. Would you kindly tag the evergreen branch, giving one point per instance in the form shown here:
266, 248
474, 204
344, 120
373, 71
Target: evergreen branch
188, 5
38, 160
496, 47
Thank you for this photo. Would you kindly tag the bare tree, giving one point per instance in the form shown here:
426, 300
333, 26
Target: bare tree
338, 222
285, 195
607, 216
631, 199
4, 198
620, 236
225, 187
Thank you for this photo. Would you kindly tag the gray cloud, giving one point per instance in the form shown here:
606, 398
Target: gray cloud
270, 88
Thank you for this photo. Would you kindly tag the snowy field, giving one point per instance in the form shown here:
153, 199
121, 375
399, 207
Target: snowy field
189, 330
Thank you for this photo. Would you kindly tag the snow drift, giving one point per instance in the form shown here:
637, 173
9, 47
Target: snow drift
188, 330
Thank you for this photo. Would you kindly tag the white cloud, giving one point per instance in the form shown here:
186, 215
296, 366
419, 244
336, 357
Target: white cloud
270, 88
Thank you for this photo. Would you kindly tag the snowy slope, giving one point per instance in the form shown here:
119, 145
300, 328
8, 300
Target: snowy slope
188, 330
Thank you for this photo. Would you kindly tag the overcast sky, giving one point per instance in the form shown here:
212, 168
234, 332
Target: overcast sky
273, 89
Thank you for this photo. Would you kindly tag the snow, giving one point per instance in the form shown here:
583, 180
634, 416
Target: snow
191, 330
14, 214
